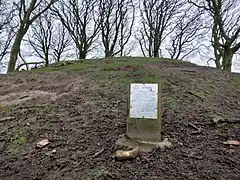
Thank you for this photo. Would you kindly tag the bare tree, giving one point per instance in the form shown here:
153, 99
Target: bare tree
61, 42
28, 12
78, 17
41, 36
6, 28
157, 23
116, 23
188, 31
48, 38
225, 40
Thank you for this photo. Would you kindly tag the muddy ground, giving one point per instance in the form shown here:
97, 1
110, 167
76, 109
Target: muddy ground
83, 113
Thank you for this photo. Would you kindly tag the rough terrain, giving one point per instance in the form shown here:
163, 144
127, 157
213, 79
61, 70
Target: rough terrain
81, 108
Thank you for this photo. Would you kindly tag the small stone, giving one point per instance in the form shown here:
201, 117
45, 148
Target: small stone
232, 142
127, 155
165, 143
50, 153
28, 124
42, 143
217, 119
180, 143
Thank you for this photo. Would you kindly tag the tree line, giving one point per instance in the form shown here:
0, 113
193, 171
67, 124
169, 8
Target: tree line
178, 28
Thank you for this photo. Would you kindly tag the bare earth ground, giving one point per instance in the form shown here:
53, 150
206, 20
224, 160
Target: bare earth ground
83, 113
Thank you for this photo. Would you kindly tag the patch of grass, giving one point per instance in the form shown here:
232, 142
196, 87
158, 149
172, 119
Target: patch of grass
236, 83
44, 69
2, 146
172, 102
110, 64
98, 173
120, 66
143, 60
140, 76
198, 94
6, 109
73, 66
76, 67
17, 142
110, 67
64, 177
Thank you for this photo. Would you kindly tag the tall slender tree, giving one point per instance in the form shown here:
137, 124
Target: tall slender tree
116, 24
79, 18
61, 43
41, 37
225, 15
157, 23
28, 12
6, 27
188, 30
48, 38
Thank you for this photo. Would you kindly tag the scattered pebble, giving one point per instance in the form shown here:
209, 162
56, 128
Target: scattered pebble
50, 153
127, 155
217, 119
232, 142
42, 143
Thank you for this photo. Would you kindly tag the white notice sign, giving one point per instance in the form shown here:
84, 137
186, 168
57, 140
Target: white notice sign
144, 101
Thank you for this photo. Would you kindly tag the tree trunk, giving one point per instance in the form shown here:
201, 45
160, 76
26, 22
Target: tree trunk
82, 54
46, 61
156, 53
217, 59
58, 57
227, 60
217, 63
156, 48
15, 51
108, 54
121, 52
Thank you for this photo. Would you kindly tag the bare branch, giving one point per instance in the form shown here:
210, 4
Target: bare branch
157, 23
116, 24
79, 18
28, 13
225, 29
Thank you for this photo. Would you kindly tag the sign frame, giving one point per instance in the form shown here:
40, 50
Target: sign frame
157, 103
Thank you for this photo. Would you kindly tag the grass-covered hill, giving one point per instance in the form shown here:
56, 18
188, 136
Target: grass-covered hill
81, 108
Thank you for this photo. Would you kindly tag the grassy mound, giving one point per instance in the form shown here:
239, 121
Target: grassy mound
81, 108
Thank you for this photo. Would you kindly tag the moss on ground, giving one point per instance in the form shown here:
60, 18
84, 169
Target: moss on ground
17, 142
98, 173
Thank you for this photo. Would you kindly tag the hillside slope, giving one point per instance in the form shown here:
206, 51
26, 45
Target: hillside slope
81, 108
